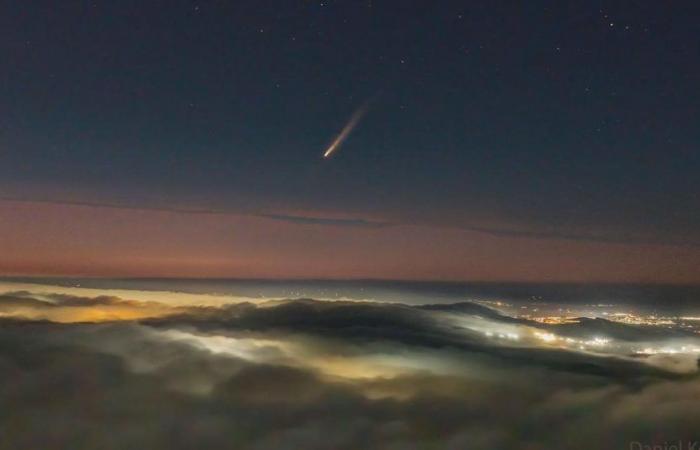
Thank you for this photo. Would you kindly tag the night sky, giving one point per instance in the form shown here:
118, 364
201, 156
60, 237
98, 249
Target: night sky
541, 141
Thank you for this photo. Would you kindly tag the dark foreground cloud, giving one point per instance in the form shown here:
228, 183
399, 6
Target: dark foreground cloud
319, 375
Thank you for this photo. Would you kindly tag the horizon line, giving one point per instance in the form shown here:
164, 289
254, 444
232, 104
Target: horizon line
340, 280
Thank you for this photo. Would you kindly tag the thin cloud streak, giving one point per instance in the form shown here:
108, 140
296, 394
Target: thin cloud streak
367, 223
354, 222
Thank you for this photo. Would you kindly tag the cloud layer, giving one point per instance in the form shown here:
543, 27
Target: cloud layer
318, 375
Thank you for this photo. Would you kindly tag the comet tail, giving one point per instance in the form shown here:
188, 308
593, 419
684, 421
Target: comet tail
345, 132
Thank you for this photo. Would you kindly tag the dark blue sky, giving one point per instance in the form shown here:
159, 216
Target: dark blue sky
552, 119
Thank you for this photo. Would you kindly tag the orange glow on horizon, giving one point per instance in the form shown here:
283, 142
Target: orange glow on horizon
71, 240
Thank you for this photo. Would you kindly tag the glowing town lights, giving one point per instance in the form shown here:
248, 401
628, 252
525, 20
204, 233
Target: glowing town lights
594, 342
505, 336
555, 320
547, 337
509, 336
597, 342
669, 350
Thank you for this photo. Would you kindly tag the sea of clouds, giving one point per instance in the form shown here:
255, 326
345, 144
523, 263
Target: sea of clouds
106, 372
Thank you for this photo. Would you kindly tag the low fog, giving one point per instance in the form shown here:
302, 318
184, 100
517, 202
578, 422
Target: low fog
113, 373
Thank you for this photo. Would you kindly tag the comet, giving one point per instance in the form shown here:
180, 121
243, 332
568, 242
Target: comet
347, 129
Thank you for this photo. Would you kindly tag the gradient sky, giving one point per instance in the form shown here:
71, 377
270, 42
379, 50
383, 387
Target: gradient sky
543, 141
